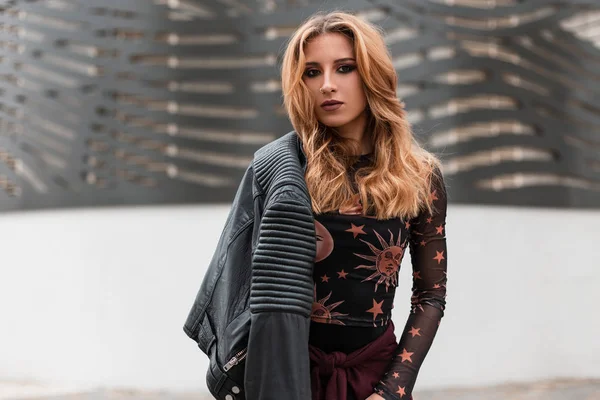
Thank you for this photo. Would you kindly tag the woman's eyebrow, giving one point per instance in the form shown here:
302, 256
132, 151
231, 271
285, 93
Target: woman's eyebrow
339, 60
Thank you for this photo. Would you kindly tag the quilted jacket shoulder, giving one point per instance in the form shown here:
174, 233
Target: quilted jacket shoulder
280, 163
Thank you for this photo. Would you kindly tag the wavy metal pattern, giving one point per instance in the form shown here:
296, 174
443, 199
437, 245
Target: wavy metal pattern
165, 101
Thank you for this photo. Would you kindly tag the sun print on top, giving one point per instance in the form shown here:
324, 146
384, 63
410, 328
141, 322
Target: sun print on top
324, 313
386, 260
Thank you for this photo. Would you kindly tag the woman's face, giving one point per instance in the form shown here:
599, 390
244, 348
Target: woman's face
330, 74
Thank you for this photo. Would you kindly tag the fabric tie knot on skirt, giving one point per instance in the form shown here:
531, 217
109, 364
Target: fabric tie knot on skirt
330, 362
332, 373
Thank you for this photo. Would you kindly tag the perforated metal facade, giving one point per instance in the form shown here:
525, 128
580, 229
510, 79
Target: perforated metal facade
117, 102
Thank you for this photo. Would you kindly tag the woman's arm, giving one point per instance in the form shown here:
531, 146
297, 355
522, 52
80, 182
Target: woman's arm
429, 259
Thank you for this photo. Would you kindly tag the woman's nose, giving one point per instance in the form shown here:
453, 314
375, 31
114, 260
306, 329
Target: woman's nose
328, 84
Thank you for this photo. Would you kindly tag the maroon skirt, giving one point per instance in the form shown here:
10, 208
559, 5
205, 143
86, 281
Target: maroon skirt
332, 373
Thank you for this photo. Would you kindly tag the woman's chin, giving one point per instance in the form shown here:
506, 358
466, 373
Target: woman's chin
333, 122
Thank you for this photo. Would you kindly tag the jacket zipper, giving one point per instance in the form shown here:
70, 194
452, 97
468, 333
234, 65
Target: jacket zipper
235, 360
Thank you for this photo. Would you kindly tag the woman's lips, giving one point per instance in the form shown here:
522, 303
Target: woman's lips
331, 107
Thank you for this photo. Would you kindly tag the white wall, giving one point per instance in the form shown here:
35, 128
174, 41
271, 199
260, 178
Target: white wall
98, 297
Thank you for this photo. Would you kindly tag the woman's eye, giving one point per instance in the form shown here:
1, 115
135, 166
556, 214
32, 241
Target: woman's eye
346, 68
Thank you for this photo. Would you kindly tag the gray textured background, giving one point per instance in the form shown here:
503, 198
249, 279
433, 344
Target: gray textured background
118, 102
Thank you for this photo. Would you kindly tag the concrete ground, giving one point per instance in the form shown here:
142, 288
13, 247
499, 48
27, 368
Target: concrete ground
545, 390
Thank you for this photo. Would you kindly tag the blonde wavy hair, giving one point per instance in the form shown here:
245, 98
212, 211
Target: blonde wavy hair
398, 183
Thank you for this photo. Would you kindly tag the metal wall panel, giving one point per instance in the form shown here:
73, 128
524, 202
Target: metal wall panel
146, 102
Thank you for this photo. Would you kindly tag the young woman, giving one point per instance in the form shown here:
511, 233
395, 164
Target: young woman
375, 192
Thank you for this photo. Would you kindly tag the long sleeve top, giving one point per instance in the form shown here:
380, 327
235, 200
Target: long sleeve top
356, 274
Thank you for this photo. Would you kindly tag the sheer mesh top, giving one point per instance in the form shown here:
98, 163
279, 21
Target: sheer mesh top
356, 275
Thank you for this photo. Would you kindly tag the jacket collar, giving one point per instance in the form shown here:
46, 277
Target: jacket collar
301, 153
280, 162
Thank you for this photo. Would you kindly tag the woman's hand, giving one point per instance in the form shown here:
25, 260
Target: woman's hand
375, 396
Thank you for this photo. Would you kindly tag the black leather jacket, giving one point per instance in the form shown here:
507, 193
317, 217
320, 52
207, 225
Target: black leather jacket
251, 315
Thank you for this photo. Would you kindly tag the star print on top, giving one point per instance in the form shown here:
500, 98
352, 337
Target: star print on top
365, 266
361, 258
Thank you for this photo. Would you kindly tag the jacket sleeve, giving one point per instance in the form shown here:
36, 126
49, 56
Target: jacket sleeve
428, 301
277, 362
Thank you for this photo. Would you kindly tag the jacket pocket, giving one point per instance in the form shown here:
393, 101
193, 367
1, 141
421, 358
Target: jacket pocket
235, 336
206, 337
